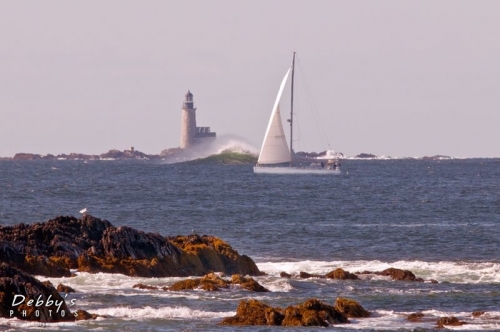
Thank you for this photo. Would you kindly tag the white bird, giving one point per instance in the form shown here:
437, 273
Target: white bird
83, 211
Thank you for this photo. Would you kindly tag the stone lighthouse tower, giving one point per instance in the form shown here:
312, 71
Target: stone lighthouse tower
188, 126
190, 134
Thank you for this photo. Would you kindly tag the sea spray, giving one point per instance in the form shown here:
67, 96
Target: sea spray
231, 143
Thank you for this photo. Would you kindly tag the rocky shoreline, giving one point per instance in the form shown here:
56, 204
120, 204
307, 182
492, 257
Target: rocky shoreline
58, 247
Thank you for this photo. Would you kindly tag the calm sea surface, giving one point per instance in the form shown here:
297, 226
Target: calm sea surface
440, 219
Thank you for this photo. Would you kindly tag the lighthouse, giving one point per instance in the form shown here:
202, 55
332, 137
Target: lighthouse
190, 134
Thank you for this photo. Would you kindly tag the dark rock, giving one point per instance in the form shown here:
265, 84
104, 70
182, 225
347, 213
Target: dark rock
65, 289
84, 315
350, 308
285, 275
398, 274
142, 286
477, 313
16, 285
186, 285
310, 313
415, 317
93, 245
127, 154
341, 274
450, 321
305, 275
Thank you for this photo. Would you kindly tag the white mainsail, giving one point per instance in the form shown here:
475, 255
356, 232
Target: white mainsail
275, 148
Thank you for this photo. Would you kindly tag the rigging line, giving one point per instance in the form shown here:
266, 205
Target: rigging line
319, 127
297, 121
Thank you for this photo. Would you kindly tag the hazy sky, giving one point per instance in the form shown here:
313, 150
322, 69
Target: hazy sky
398, 78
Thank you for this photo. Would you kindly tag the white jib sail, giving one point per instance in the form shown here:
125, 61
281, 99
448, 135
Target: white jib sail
275, 148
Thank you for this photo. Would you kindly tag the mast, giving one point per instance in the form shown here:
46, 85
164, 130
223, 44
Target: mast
291, 112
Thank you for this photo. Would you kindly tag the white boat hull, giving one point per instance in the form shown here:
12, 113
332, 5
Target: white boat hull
295, 170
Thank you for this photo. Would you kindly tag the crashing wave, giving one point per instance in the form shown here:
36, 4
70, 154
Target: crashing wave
226, 149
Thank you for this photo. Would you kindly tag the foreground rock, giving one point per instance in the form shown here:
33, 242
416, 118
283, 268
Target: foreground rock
93, 245
17, 289
310, 313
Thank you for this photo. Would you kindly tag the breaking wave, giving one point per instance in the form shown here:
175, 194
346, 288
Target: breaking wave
227, 144
453, 272
148, 312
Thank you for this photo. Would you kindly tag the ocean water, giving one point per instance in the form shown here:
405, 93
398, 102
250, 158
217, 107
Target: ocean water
437, 218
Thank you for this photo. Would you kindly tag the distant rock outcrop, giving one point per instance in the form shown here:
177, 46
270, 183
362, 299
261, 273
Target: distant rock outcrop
366, 155
93, 245
111, 154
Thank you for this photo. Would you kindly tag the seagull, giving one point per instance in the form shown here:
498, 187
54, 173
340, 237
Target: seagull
83, 211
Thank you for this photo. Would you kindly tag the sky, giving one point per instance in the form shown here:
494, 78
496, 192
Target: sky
392, 78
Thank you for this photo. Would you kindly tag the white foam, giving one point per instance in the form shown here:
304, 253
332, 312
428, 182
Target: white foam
15, 324
107, 282
455, 272
163, 312
391, 320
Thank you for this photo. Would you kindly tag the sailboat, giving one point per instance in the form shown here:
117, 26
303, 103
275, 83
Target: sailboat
277, 158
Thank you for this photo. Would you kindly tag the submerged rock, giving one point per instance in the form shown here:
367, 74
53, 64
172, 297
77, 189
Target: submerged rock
143, 286
415, 317
17, 289
93, 245
310, 313
398, 274
450, 321
305, 275
84, 315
